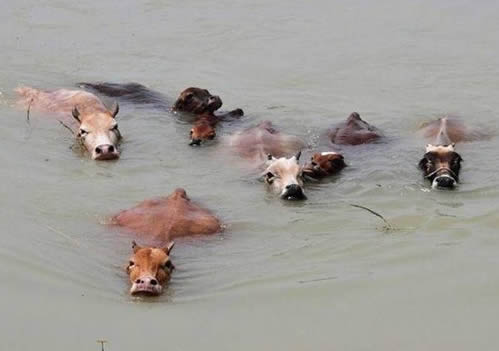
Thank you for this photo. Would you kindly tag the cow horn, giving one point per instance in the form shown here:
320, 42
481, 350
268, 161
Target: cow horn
76, 113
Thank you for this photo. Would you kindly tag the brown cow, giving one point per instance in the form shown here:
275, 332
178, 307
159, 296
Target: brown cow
149, 269
324, 164
161, 220
202, 104
354, 131
97, 127
166, 218
196, 101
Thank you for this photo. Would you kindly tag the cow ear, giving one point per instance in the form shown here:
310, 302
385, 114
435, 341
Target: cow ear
115, 109
338, 162
169, 247
76, 114
297, 156
135, 247
422, 164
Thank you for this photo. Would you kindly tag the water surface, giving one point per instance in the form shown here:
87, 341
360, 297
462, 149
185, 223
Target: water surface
317, 275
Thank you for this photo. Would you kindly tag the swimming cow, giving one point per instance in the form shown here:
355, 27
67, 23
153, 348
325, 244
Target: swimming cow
324, 164
441, 163
284, 176
160, 221
97, 128
202, 104
268, 149
195, 101
149, 269
354, 131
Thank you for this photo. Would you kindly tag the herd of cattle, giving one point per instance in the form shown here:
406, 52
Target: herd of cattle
275, 154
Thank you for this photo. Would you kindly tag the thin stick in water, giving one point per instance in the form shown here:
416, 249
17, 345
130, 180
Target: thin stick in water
66, 126
102, 342
29, 109
388, 225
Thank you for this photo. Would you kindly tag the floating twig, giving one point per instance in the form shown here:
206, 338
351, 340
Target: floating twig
28, 110
388, 225
66, 126
316, 280
102, 342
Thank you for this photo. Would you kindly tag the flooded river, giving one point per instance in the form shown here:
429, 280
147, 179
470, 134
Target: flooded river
317, 275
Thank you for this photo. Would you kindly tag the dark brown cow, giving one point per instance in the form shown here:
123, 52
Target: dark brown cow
324, 164
196, 101
354, 131
441, 163
202, 104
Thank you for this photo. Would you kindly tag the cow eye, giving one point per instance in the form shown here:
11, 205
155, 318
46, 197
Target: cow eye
192, 132
189, 96
169, 265
131, 263
83, 132
211, 136
114, 128
269, 175
314, 163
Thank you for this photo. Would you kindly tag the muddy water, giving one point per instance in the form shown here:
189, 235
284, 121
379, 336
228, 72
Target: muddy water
316, 275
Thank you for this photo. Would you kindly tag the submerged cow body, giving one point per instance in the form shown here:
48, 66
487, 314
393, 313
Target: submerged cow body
195, 101
166, 218
441, 163
354, 131
256, 143
97, 128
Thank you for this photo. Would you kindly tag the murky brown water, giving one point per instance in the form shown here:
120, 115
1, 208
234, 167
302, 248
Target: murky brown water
317, 275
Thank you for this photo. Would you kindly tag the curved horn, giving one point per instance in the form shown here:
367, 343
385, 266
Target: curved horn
76, 113
297, 156
115, 110
169, 247
135, 246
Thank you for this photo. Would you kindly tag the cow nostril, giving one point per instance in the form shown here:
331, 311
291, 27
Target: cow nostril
137, 281
111, 148
445, 182
154, 282
98, 150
